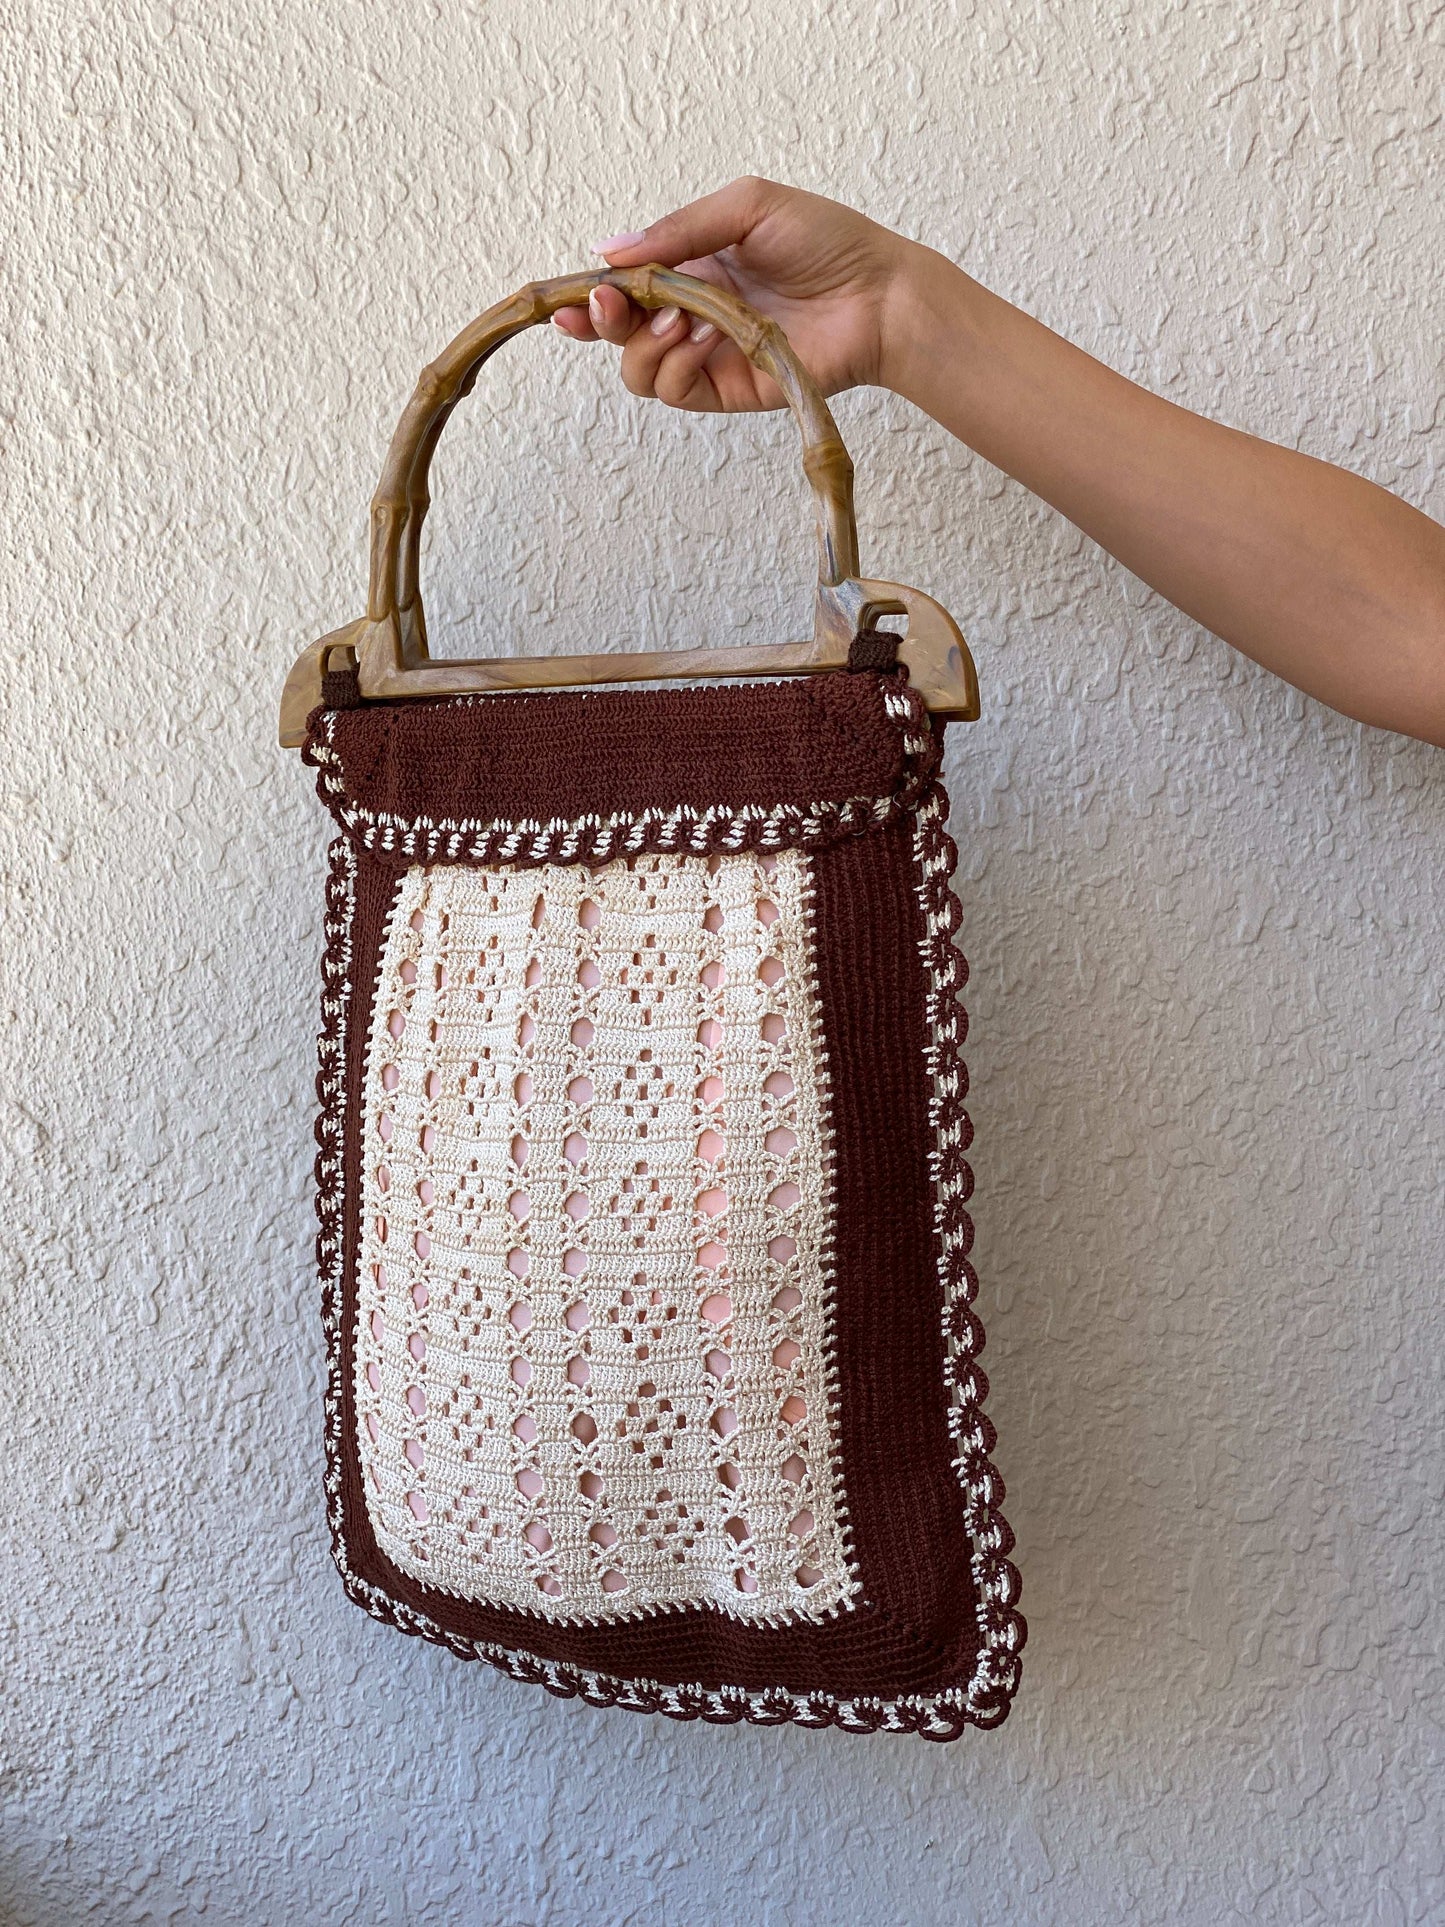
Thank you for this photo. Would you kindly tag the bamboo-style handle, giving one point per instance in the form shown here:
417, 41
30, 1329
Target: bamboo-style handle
401, 501
387, 647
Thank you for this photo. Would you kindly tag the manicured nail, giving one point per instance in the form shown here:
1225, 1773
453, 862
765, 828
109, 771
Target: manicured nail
594, 306
664, 319
702, 329
615, 243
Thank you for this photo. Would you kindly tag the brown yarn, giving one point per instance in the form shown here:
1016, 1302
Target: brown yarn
340, 689
918, 1632
874, 650
419, 770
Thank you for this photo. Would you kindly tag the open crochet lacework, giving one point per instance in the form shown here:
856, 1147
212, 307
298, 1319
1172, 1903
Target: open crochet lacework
591, 1366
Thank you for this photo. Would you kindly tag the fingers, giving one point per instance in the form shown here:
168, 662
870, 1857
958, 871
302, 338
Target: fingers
667, 356
613, 316
608, 316
664, 353
574, 323
717, 221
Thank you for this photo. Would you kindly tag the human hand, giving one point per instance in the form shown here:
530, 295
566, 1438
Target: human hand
826, 274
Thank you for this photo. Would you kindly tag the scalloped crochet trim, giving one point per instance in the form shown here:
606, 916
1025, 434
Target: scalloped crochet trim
597, 839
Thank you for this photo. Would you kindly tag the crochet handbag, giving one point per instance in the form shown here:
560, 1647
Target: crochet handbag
653, 1369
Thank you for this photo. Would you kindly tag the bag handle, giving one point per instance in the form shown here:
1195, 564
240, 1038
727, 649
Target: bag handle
399, 506
385, 652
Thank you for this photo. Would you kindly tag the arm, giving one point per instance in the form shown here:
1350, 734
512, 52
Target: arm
1326, 579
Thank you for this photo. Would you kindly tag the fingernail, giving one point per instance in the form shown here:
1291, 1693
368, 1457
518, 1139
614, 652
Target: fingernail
594, 305
664, 319
702, 329
615, 243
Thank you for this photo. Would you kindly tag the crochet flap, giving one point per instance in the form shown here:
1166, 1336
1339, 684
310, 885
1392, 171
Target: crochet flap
585, 776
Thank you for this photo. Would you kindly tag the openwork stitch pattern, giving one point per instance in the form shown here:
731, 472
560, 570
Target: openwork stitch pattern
591, 1361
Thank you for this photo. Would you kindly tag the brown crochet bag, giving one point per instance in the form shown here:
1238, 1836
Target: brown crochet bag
642, 1181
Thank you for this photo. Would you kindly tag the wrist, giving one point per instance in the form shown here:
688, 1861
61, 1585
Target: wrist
928, 311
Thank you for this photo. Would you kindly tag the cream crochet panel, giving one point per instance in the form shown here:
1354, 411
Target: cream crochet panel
593, 1344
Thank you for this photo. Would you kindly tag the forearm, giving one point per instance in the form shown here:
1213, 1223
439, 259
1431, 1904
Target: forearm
1324, 578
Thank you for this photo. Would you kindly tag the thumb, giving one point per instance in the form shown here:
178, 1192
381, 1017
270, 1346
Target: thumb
703, 227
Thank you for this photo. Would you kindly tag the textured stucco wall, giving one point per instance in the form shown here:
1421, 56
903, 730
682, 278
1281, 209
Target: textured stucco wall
1203, 917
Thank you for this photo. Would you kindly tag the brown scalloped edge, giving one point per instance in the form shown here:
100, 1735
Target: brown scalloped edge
597, 839
1003, 1629
984, 1701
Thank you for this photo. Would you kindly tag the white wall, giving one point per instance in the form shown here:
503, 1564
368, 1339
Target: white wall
1202, 913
